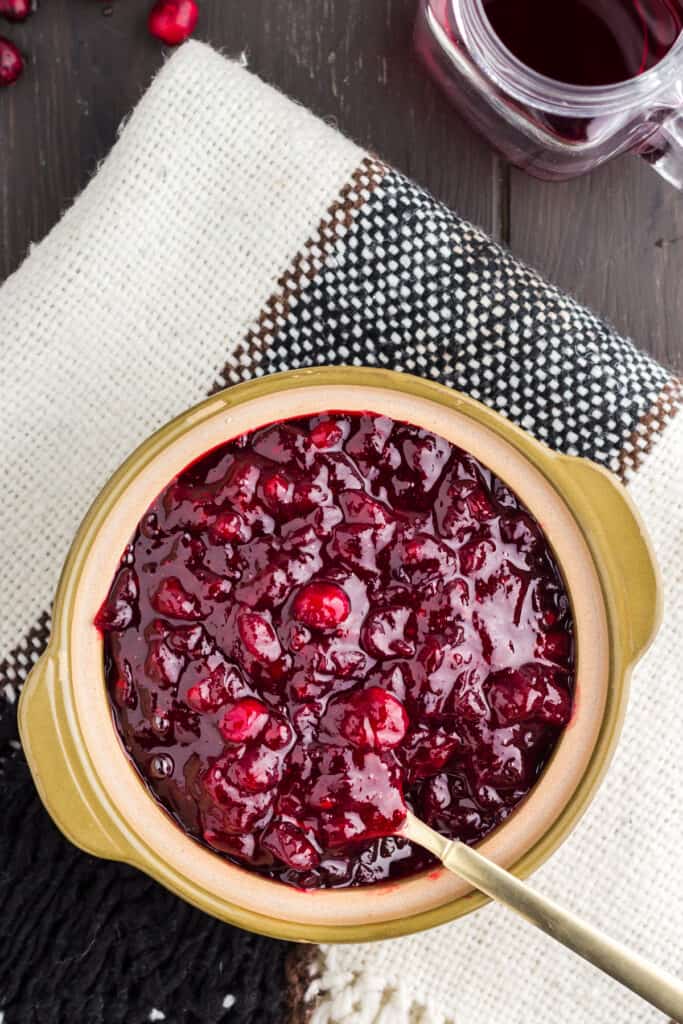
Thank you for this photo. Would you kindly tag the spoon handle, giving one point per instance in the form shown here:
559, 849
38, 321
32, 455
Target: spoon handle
657, 986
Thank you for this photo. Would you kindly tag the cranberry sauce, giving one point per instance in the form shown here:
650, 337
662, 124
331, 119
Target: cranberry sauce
328, 619
594, 43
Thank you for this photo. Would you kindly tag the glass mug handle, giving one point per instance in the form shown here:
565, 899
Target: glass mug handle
664, 150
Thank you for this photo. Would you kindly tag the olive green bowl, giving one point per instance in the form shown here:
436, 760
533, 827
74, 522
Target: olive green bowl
96, 797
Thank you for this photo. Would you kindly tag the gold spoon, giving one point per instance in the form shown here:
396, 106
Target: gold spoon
656, 986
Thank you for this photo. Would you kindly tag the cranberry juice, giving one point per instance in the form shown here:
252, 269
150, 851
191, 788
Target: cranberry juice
587, 42
325, 621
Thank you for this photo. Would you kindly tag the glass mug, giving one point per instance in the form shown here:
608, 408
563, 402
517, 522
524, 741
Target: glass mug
553, 129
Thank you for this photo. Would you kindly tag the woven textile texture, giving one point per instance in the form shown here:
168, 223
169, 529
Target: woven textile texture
231, 234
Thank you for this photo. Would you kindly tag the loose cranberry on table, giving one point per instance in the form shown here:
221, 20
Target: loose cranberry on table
325, 621
173, 21
15, 10
11, 62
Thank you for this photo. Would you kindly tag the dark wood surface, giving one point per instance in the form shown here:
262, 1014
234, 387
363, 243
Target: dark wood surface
614, 238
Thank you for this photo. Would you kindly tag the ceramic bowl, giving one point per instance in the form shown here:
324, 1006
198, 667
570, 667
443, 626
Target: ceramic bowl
97, 798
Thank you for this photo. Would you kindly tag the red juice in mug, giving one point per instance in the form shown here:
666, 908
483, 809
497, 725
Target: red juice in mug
591, 43
560, 86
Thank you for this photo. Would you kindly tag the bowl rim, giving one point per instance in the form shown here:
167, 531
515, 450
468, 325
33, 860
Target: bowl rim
72, 609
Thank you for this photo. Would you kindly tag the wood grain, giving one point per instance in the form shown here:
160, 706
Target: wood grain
613, 238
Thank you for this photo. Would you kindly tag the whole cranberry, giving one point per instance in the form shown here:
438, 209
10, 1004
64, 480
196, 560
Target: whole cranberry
11, 62
15, 10
173, 21
322, 605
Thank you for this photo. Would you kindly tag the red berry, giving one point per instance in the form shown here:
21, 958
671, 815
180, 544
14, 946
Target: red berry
374, 719
244, 721
191, 640
257, 770
290, 845
163, 664
11, 62
223, 684
321, 605
532, 692
171, 598
15, 10
428, 751
387, 632
259, 637
278, 491
173, 21
244, 847
278, 734
118, 611
554, 646
326, 434
226, 527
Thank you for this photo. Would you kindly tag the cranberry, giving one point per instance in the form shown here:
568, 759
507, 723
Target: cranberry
527, 694
226, 808
277, 734
244, 721
321, 605
240, 486
163, 664
290, 845
555, 646
173, 21
259, 637
501, 760
223, 684
257, 770
322, 616
171, 598
278, 492
425, 558
243, 847
359, 794
119, 610
226, 527
387, 630
15, 10
427, 454
326, 434
282, 443
373, 719
190, 640
428, 750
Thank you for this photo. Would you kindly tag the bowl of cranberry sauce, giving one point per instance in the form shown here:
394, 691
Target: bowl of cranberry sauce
318, 599
325, 620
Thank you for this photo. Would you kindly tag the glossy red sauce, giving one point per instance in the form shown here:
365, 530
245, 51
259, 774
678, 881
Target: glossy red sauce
328, 620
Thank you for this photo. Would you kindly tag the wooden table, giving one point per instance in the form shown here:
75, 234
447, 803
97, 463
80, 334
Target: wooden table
614, 238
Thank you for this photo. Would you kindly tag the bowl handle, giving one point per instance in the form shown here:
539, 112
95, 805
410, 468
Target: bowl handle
51, 753
612, 523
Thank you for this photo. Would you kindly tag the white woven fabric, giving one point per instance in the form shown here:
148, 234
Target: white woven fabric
124, 316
